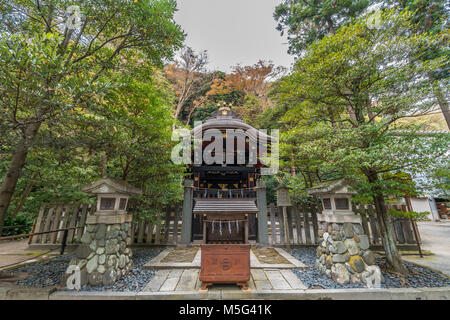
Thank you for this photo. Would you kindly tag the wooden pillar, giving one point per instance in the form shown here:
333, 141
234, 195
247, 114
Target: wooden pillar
186, 226
286, 229
205, 218
246, 231
261, 203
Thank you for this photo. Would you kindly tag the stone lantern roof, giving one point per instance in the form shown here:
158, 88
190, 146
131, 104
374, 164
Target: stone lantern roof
283, 187
340, 186
107, 185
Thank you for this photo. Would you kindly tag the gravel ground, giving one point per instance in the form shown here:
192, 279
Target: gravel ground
44, 274
418, 277
49, 273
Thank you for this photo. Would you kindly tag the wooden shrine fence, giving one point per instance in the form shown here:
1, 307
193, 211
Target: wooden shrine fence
164, 231
302, 226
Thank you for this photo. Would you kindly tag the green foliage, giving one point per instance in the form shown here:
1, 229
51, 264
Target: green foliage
203, 112
93, 90
347, 93
308, 21
271, 185
21, 224
413, 215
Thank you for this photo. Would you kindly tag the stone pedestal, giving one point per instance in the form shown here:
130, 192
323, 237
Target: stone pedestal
344, 255
103, 256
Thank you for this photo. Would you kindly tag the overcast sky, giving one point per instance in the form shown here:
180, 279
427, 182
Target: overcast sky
233, 31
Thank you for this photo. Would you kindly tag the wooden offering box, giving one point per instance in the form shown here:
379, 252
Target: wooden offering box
225, 263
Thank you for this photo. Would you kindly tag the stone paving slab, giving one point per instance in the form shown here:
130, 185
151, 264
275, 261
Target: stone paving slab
168, 280
263, 285
27, 293
258, 274
293, 262
277, 280
226, 294
188, 280
170, 284
157, 281
292, 279
157, 262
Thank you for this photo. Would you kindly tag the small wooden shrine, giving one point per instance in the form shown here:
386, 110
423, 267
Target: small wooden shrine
226, 203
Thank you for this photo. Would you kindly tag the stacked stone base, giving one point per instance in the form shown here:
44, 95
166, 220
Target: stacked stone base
344, 255
103, 256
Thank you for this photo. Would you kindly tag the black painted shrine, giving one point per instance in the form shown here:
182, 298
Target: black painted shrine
225, 208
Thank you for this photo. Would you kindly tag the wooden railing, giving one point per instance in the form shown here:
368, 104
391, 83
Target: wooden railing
403, 228
302, 226
224, 194
166, 230
59, 217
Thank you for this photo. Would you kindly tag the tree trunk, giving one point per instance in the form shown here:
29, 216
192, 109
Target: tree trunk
104, 164
13, 174
293, 172
393, 258
25, 195
443, 104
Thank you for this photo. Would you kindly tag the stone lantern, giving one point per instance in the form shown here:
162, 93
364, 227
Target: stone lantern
112, 197
343, 252
336, 202
283, 197
103, 256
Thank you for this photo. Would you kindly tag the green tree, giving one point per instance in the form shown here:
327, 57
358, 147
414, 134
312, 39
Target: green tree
308, 21
131, 128
53, 60
347, 94
431, 16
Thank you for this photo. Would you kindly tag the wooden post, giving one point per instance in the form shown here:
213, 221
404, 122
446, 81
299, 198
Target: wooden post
273, 224
205, 218
413, 225
32, 231
39, 223
307, 227
286, 229
246, 231
281, 225
186, 227
298, 224
261, 203
148, 240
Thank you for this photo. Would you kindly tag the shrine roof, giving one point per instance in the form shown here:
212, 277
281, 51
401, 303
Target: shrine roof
225, 118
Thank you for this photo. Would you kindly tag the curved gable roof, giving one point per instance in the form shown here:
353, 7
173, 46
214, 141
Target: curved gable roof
224, 118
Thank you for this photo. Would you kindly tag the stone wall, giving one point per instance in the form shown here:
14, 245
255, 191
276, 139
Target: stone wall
103, 256
344, 255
